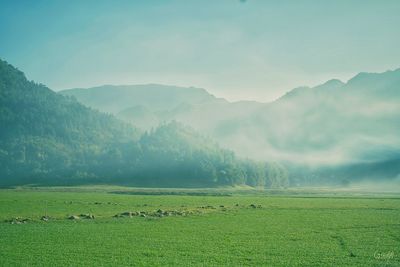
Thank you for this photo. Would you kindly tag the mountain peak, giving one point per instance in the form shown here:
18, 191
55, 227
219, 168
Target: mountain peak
336, 82
330, 85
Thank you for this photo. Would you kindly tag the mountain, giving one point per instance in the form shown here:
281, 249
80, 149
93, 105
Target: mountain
334, 122
147, 106
114, 99
50, 139
332, 132
46, 135
335, 125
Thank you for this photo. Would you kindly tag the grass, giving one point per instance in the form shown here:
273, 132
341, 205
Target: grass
288, 230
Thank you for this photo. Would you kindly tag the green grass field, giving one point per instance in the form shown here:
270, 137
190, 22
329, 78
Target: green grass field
287, 230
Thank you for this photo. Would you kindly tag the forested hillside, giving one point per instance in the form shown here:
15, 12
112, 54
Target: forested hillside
47, 138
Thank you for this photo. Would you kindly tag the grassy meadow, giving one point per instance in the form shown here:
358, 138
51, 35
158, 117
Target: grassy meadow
197, 228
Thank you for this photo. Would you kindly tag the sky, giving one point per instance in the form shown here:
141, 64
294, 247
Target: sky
240, 50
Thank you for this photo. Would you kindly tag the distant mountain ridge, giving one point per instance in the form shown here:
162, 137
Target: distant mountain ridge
335, 123
114, 98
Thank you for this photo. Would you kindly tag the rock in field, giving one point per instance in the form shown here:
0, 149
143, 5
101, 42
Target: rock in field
45, 218
87, 216
73, 217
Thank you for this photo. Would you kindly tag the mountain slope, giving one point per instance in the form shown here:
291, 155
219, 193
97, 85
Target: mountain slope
47, 138
46, 135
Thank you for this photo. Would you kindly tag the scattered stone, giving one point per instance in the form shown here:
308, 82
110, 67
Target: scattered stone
159, 213
73, 217
87, 216
129, 214
45, 218
126, 213
18, 220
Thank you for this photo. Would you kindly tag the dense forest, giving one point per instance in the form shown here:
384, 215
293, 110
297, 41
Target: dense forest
50, 139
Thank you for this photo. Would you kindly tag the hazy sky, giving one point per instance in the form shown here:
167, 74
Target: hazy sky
254, 49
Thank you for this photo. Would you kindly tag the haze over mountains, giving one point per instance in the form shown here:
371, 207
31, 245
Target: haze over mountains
331, 124
335, 133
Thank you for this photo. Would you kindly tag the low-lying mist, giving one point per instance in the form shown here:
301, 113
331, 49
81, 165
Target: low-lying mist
331, 124
385, 186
